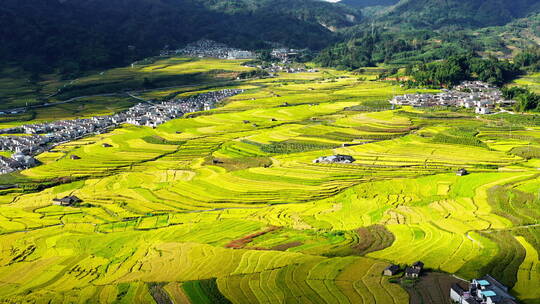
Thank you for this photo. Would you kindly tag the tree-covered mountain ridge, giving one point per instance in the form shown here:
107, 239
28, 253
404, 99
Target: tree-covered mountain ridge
72, 35
435, 14
463, 13
100, 33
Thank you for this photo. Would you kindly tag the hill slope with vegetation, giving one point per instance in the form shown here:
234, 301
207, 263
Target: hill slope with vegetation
414, 31
368, 3
459, 13
90, 34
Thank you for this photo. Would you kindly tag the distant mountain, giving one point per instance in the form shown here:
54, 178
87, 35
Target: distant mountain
415, 31
86, 34
312, 11
367, 3
77, 35
435, 14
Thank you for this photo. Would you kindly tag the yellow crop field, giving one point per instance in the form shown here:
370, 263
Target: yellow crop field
229, 204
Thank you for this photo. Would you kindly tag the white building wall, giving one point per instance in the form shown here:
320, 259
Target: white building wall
455, 296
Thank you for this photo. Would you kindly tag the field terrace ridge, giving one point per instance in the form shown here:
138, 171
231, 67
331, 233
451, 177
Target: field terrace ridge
43, 137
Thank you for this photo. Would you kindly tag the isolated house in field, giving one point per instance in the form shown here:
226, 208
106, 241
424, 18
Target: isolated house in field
418, 265
391, 270
67, 201
338, 159
106, 145
74, 157
411, 272
462, 172
415, 270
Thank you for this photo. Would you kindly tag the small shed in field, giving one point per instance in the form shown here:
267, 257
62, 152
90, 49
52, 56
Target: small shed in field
391, 270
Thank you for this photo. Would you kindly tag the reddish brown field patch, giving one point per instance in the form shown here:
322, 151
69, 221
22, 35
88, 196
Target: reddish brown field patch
373, 238
284, 247
242, 242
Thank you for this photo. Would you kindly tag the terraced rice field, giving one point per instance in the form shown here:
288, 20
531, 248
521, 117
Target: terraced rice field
532, 81
227, 205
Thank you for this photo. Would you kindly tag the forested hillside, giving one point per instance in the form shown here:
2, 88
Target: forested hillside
416, 31
459, 13
69, 37
86, 34
366, 3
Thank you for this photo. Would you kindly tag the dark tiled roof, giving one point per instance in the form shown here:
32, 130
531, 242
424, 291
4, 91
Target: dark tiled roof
410, 270
72, 199
472, 301
392, 268
457, 289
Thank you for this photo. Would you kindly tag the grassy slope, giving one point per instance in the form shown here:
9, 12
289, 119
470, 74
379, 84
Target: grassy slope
532, 81
17, 90
164, 212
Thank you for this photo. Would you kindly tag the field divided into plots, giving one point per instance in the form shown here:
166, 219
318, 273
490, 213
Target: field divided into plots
227, 205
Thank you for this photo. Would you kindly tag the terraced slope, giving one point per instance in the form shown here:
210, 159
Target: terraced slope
227, 205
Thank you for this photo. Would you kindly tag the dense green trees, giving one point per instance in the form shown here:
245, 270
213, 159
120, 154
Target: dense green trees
462, 67
526, 100
73, 36
368, 47
367, 3
437, 14
530, 59
493, 70
367, 50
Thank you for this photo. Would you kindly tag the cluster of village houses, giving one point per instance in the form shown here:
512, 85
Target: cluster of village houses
209, 48
470, 94
285, 55
485, 290
42, 137
274, 68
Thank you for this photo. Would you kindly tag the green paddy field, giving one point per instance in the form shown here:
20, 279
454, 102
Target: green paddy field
227, 206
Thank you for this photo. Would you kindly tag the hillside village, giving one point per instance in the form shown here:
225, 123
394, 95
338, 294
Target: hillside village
209, 48
469, 94
39, 138
212, 49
